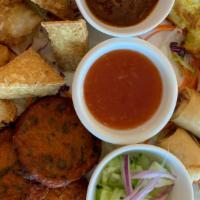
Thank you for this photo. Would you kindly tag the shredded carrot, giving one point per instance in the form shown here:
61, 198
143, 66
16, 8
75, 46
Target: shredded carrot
162, 27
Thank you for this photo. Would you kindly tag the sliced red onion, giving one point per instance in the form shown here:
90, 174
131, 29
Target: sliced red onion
127, 175
135, 191
175, 47
149, 174
146, 190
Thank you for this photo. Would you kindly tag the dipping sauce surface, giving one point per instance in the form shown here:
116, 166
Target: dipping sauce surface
121, 12
123, 89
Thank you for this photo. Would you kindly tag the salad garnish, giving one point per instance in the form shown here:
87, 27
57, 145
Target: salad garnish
135, 177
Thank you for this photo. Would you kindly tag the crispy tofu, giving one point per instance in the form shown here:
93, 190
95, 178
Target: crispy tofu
28, 75
8, 112
59, 8
69, 40
16, 22
184, 147
4, 55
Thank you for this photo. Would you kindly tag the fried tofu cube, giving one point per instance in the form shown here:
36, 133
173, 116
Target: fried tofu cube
69, 40
28, 75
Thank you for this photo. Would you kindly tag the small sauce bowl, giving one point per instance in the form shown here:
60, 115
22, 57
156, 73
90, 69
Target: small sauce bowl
183, 185
159, 119
159, 13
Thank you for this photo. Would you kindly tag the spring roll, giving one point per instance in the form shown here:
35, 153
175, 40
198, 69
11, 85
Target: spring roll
187, 114
184, 147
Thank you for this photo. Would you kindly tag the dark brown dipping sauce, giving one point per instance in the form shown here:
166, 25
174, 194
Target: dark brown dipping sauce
123, 89
121, 13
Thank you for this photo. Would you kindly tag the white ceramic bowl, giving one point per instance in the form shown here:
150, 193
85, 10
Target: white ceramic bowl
156, 122
160, 12
183, 186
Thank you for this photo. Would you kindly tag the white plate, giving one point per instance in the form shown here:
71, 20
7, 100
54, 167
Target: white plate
95, 38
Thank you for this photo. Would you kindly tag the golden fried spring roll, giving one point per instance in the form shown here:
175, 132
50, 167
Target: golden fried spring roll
187, 114
182, 145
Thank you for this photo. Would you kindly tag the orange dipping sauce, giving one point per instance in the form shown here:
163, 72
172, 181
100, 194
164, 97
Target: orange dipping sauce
123, 89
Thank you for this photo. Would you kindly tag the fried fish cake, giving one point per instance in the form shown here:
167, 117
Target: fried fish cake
37, 192
17, 21
7, 157
6, 135
74, 191
52, 144
13, 187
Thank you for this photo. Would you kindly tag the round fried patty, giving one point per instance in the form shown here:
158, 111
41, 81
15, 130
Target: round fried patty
13, 187
7, 157
74, 191
6, 135
52, 144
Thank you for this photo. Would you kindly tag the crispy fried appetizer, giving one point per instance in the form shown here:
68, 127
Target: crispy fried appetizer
17, 21
74, 191
52, 144
6, 135
182, 145
13, 187
69, 40
7, 157
192, 41
28, 75
4, 55
60, 8
8, 112
37, 192
186, 15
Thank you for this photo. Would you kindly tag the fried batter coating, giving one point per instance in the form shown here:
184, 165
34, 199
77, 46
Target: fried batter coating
4, 55
37, 192
186, 15
53, 145
74, 191
13, 187
16, 22
58, 8
7, 157
8, 112
6, 135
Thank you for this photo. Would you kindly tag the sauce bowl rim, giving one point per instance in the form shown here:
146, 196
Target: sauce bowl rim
134, 135
153, 20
